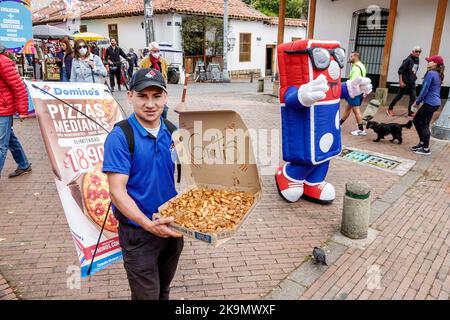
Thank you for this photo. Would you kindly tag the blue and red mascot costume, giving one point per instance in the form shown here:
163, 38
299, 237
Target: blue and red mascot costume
310, 94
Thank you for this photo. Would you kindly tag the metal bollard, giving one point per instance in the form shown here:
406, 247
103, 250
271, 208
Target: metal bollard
381, 94
356, 211
251, 77
261, 84
371, 110
441, 128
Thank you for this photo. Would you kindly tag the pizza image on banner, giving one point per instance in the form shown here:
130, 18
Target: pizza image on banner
74, 120
96, 199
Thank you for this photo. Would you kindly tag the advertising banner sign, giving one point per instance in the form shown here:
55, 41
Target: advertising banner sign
74, 142
16, 25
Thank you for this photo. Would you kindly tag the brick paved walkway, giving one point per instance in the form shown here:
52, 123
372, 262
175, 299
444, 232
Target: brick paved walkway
277, 238
6, 293
412, 250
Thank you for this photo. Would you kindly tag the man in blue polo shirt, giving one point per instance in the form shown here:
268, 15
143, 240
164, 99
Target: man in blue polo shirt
139, 183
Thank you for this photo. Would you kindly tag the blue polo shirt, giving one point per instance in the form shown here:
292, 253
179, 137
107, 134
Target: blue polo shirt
151, 171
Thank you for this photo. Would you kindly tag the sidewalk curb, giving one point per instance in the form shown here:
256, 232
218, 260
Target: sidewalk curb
299, 280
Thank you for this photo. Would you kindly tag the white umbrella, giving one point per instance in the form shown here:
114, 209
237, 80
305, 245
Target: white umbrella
49, 32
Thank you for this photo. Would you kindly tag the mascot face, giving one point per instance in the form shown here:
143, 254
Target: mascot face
305, 60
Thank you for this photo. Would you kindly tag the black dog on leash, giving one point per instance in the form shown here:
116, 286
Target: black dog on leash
384, 129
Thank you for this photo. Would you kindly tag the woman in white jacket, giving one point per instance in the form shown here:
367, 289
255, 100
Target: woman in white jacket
86, 67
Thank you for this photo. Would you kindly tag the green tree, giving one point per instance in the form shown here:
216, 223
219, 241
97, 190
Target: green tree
294, 8
193, 32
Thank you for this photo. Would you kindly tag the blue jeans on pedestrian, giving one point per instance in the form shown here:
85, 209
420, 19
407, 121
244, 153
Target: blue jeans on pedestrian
8, 140
63, 75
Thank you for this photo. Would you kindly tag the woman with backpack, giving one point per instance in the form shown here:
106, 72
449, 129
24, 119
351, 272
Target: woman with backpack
86, 67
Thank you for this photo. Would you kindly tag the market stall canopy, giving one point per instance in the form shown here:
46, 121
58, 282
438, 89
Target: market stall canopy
167, 47
88, 36
49, 32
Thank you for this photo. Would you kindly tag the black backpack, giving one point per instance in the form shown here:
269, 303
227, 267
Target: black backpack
129, 135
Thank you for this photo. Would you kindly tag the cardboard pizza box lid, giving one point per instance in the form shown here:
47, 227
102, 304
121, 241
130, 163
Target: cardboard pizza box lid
215, 148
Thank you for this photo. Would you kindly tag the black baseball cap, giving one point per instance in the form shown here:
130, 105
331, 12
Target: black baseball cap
145, 78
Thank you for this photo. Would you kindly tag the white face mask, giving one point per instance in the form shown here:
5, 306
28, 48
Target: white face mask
155, 55
83, 51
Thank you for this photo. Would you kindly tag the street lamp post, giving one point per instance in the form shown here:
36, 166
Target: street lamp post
148, 22
226, 77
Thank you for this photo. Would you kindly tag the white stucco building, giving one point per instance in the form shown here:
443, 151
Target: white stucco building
255, 34
363, 25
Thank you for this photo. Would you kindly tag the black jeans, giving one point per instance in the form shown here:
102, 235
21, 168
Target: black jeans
150, 262
130, 71
113, 74
422, 123
410, 90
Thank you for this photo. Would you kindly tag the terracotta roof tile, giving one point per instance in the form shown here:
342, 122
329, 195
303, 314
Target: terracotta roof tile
236, 8
117, 8
94, 9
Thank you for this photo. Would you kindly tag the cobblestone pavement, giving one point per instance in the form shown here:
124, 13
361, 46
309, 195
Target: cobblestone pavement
278, 237
6, 293
410, 258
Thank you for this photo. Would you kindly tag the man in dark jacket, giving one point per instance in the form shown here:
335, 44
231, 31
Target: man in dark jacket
132, 61
407, 74
113, 54
14, 99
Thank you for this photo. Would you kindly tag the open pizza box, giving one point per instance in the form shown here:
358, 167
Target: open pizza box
215, 151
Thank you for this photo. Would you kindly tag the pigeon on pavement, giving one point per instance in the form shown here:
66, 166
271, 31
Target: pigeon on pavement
319, 256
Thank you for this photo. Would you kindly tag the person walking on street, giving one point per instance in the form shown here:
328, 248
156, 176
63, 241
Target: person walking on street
430, 95
86, 67
145, 53
407, 74
354, 104
155, 60
65, 56
14, 100
113, 54
132, 61
139, 182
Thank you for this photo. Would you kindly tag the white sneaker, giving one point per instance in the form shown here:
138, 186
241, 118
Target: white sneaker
359, 133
